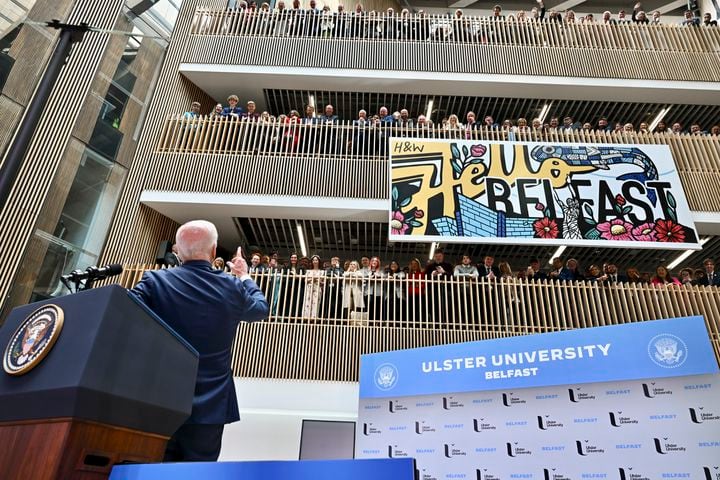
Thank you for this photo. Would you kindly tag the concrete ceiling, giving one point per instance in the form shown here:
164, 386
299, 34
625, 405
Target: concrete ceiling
250, 82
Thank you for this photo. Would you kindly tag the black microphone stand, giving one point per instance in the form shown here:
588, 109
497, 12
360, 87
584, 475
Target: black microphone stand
77, 282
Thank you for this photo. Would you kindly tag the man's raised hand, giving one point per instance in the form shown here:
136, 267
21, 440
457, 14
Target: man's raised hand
238, 265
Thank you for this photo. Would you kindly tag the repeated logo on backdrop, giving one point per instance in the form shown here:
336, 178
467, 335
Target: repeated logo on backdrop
654, 415
626, 430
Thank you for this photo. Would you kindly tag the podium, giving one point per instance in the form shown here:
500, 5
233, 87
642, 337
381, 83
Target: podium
115, 385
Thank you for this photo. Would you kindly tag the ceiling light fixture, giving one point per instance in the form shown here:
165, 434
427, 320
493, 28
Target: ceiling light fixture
301, 234
659, 118
685, 255
557, 253
433, 246
429, 109
544, 112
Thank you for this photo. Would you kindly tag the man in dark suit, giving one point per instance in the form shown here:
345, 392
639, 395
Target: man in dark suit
488, 269
611, 276
171, 257
204, 306
439, 271
534, 271
711, 278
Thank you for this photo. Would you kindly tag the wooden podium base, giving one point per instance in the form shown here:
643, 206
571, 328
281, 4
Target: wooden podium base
71, 449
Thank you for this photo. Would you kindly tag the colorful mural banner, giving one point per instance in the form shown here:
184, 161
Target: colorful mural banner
475, 191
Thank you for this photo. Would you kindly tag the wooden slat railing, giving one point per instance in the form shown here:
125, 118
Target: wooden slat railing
309, 335
446, 29
444, 44
291, 154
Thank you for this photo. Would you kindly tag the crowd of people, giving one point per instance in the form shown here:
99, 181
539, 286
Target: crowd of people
308, 287
292, 19
450, 124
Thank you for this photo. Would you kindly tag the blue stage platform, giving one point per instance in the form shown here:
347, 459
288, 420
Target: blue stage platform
372, 469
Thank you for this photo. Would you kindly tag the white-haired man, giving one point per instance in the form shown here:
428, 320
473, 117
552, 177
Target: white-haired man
204, 306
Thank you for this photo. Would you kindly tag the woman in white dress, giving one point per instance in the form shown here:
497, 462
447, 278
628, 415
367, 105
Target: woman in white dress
314, 284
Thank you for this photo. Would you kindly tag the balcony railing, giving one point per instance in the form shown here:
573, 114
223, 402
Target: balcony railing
446, 29
446, 44
318, 325
293, 159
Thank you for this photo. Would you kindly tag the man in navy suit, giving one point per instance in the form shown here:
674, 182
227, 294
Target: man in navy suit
711, 278
488, 269
204, 306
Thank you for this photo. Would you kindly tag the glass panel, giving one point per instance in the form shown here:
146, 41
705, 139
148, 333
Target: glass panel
61, 258
106, 137
164, 14
80, 233
6, 60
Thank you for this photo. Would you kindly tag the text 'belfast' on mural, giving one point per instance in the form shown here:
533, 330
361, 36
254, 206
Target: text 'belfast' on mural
512, 192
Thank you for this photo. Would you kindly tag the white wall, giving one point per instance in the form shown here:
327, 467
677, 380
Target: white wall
272, 411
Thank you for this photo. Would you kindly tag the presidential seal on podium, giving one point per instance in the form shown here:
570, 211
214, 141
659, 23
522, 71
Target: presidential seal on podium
33, 340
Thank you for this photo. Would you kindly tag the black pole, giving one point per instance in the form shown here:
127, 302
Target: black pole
69, 34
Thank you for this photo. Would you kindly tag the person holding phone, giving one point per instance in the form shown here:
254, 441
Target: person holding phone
204, 306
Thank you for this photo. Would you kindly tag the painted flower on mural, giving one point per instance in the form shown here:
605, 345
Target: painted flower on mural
478, 150
617, 229
397, 223
464, 157
403, 223
546, 228
620, 200
669, 231
644, 232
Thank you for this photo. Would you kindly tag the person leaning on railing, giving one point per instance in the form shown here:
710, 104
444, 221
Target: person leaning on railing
194, 111
293, 288
639, 16
352, 295
395, 291
662, 277
374, 289
327, 134
290, 132
232, 110
392, 293
333, 288
416, 291
250, 114
607, 18
314, 288
216, 114
452, 27
689, 19
686, 277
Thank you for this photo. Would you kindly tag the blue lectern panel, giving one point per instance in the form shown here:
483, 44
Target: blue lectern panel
373, 469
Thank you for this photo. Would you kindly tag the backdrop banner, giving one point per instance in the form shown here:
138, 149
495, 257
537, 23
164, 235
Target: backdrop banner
633, 401
540, 193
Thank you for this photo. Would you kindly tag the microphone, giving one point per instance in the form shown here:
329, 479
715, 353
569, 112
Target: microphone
91, 274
